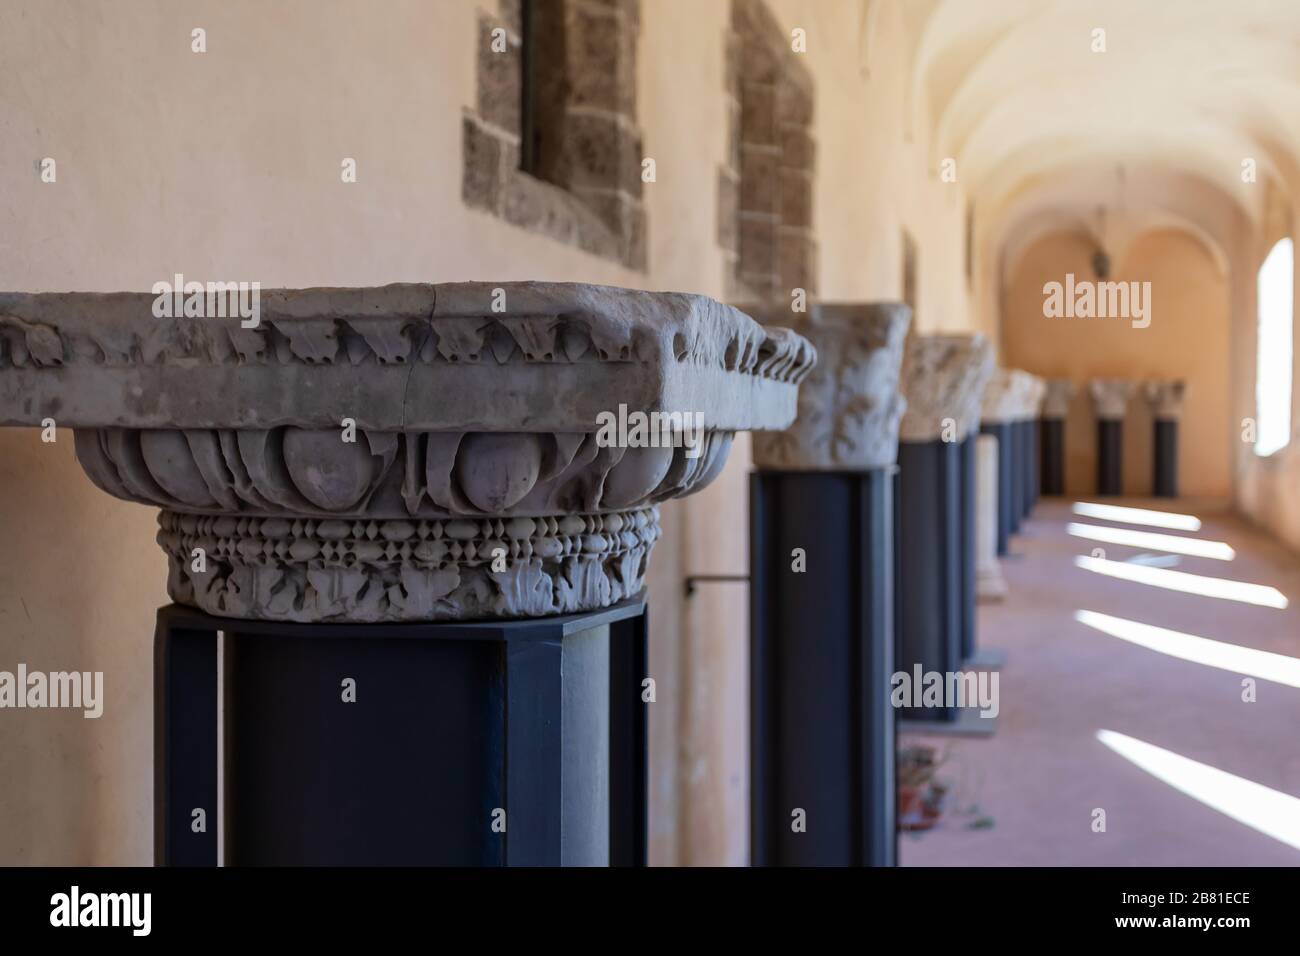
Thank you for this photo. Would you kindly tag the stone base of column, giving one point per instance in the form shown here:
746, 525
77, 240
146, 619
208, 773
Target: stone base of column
1110, 448
822, 730
1166, 459
990, 585
967, 553
502, 743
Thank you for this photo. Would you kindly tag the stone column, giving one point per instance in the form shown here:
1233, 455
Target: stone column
435, 493
1051, 432
944, 377
1001, 409
822, 602
1110, 398
1166, 400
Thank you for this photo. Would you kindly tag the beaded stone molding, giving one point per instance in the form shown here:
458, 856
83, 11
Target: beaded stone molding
409, 452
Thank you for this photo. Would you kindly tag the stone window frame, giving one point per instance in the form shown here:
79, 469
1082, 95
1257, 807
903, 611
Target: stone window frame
595, 201
765, 187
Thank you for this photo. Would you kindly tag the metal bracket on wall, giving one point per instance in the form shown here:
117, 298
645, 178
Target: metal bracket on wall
693, 580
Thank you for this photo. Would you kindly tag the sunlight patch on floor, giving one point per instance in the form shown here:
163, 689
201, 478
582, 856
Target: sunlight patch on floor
1199, 650
1261, 808
1155, 519
1222, 588
1194, 547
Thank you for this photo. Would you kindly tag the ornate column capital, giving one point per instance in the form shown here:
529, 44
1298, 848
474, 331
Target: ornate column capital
1058, 393
943, 378
1166, 399
410, 452
849, 406
1007, 396
1035, 391
1110, 397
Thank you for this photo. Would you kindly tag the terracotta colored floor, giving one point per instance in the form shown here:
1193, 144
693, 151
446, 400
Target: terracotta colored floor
1039, 778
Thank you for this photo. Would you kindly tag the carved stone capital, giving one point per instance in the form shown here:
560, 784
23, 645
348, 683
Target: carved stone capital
1110, 397
849, 406
1009, 397
1166, 399
943, 381
412, 452
1057, 397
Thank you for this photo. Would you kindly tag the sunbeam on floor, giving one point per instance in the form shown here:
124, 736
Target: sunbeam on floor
1197, 689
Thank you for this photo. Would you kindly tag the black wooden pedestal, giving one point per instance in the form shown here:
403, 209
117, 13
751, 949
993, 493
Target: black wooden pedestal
1016, 433
1051, 437
1002, 431
822, 733
1166, 458
929, 572
450, 725
1029, 469
1110, 465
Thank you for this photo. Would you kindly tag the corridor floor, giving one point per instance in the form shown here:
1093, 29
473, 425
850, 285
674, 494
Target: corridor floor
1089, 721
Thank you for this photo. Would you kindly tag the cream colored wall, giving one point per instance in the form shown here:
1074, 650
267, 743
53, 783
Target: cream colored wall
1189, 338
226, 165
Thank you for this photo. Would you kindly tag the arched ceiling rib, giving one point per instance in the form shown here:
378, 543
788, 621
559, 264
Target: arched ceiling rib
1186, 89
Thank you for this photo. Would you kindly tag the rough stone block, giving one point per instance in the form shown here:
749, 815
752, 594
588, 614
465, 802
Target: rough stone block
758, 114
797, 254
796, 198
728, 211
481, 163
601, 152
797, 148
500, 80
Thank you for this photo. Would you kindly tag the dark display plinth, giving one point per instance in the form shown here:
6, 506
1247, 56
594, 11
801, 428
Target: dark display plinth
1031, 465
502, 743
929, 569
1110, 464
1016, 432
1051, 436
822, 732
966, 555
1166, 459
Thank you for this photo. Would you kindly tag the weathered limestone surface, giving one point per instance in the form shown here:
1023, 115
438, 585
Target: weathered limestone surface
849, 406
1110, 397
1166, 399
1034, 400
943, 381
1056, 400
1010, 396
474, 484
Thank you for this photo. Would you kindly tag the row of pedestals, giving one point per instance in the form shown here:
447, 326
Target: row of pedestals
1110, 399
421, 638
891, 581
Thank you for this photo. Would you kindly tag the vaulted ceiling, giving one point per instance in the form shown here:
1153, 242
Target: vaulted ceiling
1047, 132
